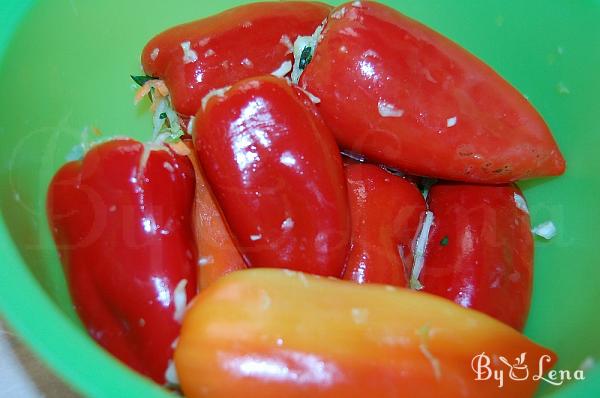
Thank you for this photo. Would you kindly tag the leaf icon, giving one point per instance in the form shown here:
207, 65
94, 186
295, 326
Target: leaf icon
505, 361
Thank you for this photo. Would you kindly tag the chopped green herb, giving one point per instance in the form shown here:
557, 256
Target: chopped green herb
140, 80
444, 241
163, 115
305, 58
426, 184
423, 331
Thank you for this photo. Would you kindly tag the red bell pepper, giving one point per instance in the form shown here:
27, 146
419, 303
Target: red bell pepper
385, 211
210, 53
403, 95
277, 174
121, 219
480, 250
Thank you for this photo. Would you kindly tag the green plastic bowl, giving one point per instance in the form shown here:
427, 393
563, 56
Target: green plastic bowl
65, 66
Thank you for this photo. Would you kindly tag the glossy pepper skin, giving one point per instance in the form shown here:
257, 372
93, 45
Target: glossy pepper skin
242, 42
403, 95
385, 211
125, 240
480, 250
217, 253
277, 174
278, 333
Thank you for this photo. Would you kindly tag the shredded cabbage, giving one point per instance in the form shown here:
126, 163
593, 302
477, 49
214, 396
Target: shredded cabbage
419, 250
546, 230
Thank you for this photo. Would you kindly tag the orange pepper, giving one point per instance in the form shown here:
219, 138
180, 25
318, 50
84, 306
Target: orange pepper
217, 253
276, 333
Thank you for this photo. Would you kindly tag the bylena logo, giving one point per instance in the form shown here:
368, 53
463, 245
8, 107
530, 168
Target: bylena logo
518, 370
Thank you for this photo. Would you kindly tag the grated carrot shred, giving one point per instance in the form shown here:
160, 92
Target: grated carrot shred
160, 90
180, 148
